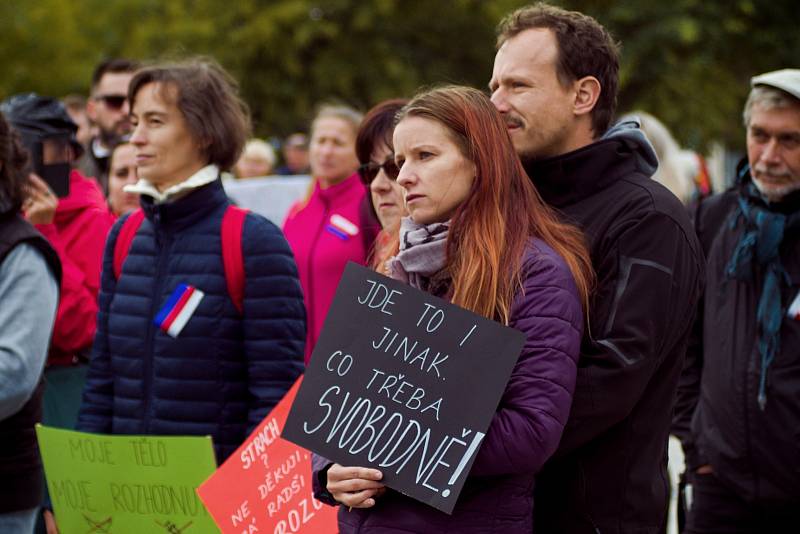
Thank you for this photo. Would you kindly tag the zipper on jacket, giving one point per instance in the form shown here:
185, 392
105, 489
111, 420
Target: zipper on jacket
162, 244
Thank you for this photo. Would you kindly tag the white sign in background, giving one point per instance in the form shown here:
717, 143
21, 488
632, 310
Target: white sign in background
270, 196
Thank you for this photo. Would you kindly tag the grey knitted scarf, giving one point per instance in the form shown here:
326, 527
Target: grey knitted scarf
422, 255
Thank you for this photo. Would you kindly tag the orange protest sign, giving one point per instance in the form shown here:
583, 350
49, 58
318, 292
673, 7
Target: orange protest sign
265, 486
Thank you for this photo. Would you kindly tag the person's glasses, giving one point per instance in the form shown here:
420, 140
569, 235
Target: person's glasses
112, 101
368, 171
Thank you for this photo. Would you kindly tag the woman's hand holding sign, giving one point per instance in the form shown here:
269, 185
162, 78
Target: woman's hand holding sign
355, 487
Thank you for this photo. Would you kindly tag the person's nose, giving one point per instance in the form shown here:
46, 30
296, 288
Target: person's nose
406, 177
381, 183
138, 137
771, 153
327, 149
498, 98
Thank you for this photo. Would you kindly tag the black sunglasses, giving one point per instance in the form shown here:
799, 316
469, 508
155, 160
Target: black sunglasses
368, 171
112, 101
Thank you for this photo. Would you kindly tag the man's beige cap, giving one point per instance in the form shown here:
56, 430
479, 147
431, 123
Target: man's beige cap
787, 80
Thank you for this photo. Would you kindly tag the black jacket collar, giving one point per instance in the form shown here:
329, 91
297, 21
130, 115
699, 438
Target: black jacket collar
569, 178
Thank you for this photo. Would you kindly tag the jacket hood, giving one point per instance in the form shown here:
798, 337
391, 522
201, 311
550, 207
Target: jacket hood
620, 152
84, 193
629, 132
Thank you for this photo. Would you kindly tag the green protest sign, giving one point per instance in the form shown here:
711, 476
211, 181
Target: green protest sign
115, 484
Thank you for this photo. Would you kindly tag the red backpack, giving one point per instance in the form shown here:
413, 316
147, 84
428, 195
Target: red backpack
231, 234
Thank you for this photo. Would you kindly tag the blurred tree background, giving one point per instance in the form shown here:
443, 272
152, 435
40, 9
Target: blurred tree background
686, 61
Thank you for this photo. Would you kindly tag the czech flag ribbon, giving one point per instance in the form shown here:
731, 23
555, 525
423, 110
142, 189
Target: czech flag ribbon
178, 309
341, 227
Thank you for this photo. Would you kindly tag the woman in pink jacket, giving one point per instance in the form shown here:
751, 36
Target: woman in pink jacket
334, 224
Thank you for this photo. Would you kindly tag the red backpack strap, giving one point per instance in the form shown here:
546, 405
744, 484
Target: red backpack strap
125, 238
232, 260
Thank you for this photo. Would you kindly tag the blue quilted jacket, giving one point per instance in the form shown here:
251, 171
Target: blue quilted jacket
224, 371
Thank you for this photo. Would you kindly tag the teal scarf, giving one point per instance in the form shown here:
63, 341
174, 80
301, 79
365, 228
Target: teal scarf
759, 245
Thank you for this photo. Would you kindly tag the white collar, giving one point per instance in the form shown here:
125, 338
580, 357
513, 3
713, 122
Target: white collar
204, 176
98, 150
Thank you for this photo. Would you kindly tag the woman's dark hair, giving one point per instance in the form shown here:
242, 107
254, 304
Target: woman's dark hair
377, 128
209, 100
13, 168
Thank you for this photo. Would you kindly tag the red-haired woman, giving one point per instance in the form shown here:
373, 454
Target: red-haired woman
479, 235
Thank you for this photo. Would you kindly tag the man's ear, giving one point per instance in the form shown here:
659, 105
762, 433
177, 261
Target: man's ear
91, 110
587, 92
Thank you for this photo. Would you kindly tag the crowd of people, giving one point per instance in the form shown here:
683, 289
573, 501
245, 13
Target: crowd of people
136, 298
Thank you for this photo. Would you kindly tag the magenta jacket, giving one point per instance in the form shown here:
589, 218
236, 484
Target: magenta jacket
332, 228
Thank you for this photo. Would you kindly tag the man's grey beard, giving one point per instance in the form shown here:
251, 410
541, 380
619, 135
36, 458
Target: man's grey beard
775, 193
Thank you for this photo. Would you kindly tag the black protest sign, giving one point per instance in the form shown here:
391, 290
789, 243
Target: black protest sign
403, 382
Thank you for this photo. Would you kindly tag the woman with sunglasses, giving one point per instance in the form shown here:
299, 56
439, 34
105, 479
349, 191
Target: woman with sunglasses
378, 170
333, 225
489, 244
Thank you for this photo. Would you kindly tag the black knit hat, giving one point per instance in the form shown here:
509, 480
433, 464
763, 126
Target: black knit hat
38, 117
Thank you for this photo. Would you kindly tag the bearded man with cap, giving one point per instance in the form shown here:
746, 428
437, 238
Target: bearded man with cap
738, 410
69, 210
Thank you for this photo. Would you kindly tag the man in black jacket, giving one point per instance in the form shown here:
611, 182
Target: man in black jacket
738, 411
555, 82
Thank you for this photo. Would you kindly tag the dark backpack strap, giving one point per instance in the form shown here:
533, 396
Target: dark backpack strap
125, 238
232, 258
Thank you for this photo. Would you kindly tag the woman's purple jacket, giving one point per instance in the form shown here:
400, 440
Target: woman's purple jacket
525, 430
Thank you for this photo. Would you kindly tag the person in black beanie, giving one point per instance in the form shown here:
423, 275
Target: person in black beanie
738, 411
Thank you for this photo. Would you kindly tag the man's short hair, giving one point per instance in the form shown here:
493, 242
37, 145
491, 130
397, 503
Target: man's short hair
208, 98
74, 102
766, 98
114, 66
296, 140
585, 48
